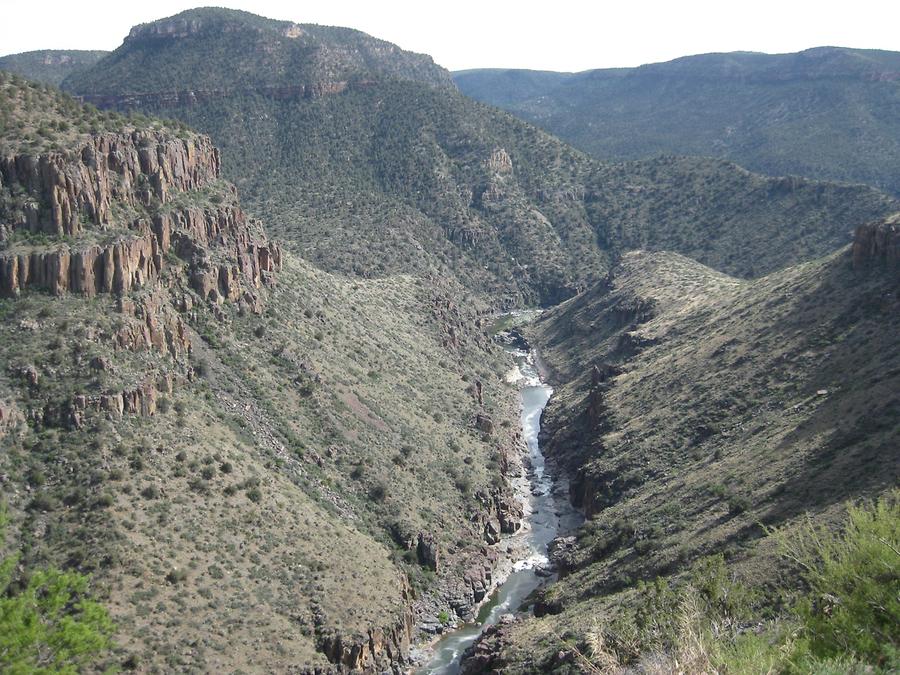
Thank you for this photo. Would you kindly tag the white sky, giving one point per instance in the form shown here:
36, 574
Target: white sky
550, 35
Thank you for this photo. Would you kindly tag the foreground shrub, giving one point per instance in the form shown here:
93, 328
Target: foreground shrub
853, 603
845, 620
50, 625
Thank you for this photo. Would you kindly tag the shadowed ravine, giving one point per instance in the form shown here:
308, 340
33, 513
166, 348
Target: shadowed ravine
547, 513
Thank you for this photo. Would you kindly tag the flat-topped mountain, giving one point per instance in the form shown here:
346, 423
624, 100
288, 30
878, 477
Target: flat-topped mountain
201, 51
829, 112
50, 66
393, 172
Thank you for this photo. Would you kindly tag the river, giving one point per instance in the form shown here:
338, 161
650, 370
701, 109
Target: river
547, 513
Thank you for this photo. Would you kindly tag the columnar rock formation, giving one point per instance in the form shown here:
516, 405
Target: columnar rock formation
378, 650
67, 193
142, 215
68, 189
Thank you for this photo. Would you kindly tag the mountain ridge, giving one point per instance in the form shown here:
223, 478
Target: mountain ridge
322, 55
50, 66
312, 439
815, 113
691, 407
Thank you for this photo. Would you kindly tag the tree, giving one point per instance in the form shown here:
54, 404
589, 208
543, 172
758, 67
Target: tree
48, 624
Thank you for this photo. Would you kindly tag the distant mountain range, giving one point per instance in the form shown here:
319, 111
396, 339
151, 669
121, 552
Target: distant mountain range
829, 113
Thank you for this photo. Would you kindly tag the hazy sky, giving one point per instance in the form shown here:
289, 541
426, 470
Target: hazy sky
551, 35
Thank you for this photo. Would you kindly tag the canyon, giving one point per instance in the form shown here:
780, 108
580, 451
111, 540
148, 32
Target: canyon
252, 387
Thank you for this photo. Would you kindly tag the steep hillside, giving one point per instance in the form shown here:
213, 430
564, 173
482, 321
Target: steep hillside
50, 66
232, 442
391, 174
827, 113
693, 406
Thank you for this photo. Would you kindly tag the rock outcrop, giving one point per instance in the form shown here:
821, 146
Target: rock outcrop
226, 251
484, 655
10, 416
139, 400
154, 325
427, 551
68, 189
141, 215
380, 649
877, 243
131, 262
470, 585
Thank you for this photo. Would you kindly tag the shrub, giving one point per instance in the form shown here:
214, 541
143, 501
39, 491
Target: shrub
198, 485
853, 604
42, 502
176, 575
378, 492
150, 492
463, 484
644, 546
49, 624
104, 501
737, 504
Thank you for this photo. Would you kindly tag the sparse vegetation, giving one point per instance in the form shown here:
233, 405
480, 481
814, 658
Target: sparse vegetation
331, 430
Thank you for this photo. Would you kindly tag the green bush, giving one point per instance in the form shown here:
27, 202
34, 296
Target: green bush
852, 607
49, 625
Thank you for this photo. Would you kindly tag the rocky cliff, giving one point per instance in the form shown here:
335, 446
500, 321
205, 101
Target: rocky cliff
62, 192
141, 214
877, 243
120, 189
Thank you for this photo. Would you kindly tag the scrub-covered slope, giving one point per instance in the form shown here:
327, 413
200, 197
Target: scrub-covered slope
230, 441
50, 66
693, 406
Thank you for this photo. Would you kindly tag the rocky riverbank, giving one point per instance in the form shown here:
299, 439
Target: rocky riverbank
522, 563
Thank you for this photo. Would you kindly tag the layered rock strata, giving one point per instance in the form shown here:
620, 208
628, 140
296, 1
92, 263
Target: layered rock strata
68, 192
